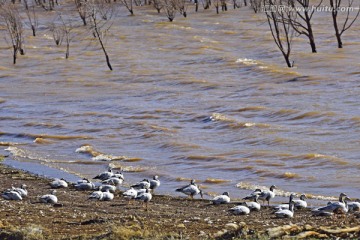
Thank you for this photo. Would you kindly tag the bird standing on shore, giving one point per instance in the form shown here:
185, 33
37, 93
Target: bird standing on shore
104, 175
144, 184
191, 190
154, 183
256, 192
145, 197
267, 195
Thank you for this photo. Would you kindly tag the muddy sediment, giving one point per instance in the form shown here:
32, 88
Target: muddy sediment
75, 217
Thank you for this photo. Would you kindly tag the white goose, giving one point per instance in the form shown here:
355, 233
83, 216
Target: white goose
84, 185
59, 183
130, 194
11, 195
119, 175
21, 190
145, 197
251, 196
107, 196
191, 190
286, 213
255, 205
285, 205
144, 184
300, 203
240, 210
336, 207
267, 195
354, 206
49, 198
221, 199
154, 183
104, 175
107, 187
114, 181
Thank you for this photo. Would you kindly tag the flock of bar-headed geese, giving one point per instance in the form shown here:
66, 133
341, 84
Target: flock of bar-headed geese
143, 190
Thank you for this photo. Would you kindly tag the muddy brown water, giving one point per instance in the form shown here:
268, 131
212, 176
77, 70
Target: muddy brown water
205, 97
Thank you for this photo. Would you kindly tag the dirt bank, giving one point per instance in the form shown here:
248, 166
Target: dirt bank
168, 217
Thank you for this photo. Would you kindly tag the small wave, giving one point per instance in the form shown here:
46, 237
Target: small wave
204, 158
251, 108
57, 137
215, 181
233, 123
163, 129
247, 61
42, 141
280, 192
317, 156
179, 146
46, 125
99, 156
7, 144
312, 115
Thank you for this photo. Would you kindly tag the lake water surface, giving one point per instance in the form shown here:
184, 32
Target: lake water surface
205, 97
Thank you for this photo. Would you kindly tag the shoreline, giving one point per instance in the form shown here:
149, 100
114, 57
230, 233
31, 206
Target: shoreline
167, 217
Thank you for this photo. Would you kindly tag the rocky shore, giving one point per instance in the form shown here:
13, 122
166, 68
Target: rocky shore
75, 217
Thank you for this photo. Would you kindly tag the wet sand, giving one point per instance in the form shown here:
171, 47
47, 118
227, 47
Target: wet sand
167, 217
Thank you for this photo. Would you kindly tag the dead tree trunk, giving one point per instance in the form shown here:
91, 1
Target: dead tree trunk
339, 30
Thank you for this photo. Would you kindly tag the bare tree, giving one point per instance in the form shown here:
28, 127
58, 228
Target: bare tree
129, 5
11, 17
32, 17
57, 33
158, 5
217, 5
81, 9
206, 3
181, 5
236, 4
63, 30
301, 21
100, 25
348, 22
170, 9
281, 30
255, 5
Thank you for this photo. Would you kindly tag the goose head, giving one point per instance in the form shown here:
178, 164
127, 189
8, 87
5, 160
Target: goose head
272, 188
303, 197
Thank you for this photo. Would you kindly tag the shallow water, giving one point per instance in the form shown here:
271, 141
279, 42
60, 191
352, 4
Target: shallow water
205, 97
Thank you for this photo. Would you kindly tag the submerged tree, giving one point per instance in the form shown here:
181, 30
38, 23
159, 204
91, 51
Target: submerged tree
81, 9
170, 9
347, 22
100, 24
129, 5
281, 30
12, 20
301, 21
32, 16
158, 5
